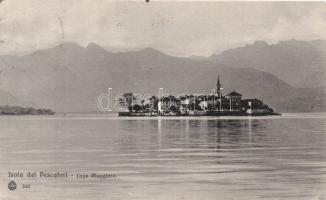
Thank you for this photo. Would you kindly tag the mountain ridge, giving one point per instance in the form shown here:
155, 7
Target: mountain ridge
69, 78
288, 60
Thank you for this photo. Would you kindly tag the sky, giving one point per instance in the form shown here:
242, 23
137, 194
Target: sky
175, 27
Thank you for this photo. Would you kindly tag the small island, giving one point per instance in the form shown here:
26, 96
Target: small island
18, 110
214, 104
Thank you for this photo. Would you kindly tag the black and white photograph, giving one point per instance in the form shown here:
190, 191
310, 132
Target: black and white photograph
162, 100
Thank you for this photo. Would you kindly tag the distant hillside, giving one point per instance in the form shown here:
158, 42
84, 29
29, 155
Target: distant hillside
8, 99
300, 63
69, 78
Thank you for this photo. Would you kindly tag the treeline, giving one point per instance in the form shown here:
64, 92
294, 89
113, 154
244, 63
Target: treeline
17, 110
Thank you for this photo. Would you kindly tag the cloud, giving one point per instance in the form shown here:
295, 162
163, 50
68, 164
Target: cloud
178, 28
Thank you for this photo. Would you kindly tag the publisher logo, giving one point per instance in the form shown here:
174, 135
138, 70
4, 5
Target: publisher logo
12, 185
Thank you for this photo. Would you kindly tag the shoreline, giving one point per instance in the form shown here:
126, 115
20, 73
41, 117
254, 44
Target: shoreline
199, 114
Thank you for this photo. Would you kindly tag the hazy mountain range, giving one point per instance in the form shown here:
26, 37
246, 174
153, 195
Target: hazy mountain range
289, 76
299, 63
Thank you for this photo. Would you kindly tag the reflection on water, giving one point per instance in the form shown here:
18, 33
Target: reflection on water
167, 158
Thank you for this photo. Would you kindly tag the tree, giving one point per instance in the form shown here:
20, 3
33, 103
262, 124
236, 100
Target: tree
129, 98
154, 102
137, 107
142, 104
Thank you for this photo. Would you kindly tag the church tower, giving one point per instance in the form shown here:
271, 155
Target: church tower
218, 87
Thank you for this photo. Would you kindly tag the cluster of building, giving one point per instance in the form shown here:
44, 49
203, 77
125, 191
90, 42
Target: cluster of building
215, 104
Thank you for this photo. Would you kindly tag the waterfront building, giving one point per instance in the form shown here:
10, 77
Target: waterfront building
234, 100
214, 104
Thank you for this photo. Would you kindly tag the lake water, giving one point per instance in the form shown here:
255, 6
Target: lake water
276, 157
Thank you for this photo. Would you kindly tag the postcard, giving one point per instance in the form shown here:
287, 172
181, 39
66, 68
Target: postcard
162, 100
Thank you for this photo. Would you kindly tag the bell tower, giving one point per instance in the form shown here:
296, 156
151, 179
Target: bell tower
218, 86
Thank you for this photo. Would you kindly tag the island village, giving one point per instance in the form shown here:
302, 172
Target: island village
214, 104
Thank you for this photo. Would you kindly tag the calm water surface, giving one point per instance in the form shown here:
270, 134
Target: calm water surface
280, 157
